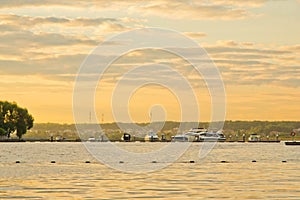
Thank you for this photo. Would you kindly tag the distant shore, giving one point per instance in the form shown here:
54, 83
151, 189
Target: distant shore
235, 131
79, 140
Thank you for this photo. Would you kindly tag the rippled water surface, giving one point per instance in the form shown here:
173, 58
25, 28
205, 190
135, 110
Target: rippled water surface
70, 177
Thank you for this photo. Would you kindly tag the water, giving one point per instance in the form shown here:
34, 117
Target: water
71, 178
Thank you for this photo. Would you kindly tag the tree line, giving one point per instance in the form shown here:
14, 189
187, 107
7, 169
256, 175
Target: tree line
231, 128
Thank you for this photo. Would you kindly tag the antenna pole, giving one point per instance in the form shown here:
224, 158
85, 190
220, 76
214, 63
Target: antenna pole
90, 117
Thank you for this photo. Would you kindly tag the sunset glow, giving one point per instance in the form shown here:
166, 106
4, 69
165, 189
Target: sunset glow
254, 44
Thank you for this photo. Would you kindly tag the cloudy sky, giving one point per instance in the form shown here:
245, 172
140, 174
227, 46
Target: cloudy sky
254, 43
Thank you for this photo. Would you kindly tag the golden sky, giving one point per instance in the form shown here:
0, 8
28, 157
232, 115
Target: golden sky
254, 43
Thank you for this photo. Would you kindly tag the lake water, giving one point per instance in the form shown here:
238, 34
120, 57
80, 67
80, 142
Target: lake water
70, 177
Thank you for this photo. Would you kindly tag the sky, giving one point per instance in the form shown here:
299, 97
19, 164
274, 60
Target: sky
255, 45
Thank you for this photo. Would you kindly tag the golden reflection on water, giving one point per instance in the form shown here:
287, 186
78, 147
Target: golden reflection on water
71, 178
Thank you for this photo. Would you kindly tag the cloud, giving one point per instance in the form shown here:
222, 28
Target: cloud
238, 63
27, 45
61, 30
219, 9
8, 28
244, 3
195, 34
27, 3
27, 49
26, 37
228, 49
179, 9
294, 48
28, 21
50, 65
241, 64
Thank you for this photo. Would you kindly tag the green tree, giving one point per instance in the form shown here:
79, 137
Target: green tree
2, 132
14, 118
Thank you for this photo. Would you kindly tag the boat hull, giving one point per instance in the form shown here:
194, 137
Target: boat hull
292, 143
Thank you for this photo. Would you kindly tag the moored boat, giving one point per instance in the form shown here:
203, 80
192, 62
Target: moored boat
203, 135
151, 137
292, 143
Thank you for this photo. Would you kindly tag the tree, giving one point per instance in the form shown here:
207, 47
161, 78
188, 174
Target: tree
2, 132
14, 118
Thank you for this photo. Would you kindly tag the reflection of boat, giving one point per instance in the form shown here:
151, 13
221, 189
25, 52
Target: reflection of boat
254, 138
203, 135
151, 137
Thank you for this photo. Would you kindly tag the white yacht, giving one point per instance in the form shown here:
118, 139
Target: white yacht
212, 137
203, 135
196, 131
180, 138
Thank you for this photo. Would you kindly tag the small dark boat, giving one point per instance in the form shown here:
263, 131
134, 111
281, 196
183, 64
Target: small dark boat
266, 141
292, 143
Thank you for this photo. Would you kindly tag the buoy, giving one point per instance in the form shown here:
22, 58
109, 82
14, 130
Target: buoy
87, 161
52, 161
253, 160
192, 161
17, 161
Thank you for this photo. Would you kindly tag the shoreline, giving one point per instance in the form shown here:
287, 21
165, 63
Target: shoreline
79, 140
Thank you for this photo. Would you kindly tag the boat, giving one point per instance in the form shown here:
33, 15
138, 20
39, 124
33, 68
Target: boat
151, 137
254, 138
126, 137
212, 137
292, 143
203, 135
196, 131
91, 139
180, 138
